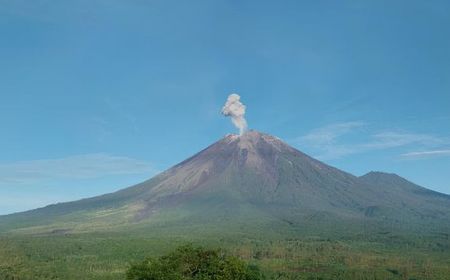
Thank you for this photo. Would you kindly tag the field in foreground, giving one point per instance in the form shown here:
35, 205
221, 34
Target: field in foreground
108, 255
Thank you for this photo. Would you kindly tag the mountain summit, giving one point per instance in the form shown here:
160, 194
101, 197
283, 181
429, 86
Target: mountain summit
249, 182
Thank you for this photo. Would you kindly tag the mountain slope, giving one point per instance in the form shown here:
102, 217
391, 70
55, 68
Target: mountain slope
253, 180
401, 195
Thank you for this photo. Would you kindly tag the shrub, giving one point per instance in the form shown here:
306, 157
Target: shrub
189, 262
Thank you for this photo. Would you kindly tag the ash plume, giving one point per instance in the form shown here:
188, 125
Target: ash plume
236, 110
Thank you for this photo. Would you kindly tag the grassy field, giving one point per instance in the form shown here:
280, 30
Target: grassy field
107, 255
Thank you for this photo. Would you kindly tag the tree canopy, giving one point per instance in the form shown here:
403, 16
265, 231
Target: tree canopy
189, 262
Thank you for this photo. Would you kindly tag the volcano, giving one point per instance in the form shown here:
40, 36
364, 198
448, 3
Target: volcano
254, 183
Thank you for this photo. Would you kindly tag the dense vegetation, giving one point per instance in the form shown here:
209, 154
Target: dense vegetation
189, 262
108, 255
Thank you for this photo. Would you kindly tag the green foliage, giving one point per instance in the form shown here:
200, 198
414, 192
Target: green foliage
102, 256
189, 262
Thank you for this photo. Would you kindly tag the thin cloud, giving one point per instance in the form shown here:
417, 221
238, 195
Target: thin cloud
425, 154
328, 134
328, 141
86, 166
392, 139
11, 204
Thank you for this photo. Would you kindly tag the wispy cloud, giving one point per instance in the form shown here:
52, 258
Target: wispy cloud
392, 139
425, 154
10, 204
86, 166
325, 140
332, 141
328, 134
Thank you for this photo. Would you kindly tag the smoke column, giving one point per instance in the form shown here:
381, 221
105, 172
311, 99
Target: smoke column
236, 110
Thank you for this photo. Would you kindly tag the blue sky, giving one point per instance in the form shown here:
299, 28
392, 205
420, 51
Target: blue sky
99, 95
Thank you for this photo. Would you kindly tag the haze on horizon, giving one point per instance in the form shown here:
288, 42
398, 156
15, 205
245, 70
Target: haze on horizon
98, 97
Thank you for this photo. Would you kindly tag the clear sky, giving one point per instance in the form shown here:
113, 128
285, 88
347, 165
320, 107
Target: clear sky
98, 95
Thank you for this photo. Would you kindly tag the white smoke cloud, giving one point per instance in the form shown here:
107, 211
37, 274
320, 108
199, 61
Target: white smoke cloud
236, 110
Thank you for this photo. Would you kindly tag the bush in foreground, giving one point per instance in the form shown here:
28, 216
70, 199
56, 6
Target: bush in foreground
188, 262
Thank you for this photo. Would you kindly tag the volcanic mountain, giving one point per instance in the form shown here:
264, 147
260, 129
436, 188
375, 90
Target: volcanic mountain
249, 183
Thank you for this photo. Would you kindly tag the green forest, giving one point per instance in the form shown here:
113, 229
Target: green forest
112, 255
